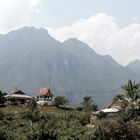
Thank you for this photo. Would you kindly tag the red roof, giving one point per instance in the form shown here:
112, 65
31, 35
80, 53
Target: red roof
45, 92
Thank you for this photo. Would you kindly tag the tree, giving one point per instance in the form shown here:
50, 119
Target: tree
2, 99
88, 104
60, 101
131, 97
32, 104
115, 129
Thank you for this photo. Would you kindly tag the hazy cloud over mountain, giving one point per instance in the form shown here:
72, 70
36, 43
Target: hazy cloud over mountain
108, 26
103, 34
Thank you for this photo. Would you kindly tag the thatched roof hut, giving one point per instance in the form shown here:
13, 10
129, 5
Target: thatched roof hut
18, 92
17, 96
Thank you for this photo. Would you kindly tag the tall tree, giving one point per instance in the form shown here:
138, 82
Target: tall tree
88, 104
2, 99
131, 97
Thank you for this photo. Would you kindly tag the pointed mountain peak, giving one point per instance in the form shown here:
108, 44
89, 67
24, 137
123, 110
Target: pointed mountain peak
29, 29
28, 35
73, 41
111, 60
76, 44
135, 62
134, 65
30, 32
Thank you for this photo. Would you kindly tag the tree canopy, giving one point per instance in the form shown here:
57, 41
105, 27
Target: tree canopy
88, 104
131, 96
60, 101
2, 99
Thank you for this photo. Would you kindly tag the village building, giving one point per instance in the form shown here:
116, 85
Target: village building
114, 104
44, 96
112, 108
17, 97
109, 110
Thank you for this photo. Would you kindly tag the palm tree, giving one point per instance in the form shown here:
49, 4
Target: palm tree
131, 97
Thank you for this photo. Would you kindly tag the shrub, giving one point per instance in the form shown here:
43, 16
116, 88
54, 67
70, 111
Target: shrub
115, 129
2, 99
32, 105
126, 114
101, 115
33, 116
88, 104
3, 135
1, 115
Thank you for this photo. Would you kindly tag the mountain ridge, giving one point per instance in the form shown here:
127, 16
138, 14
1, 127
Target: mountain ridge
32, 59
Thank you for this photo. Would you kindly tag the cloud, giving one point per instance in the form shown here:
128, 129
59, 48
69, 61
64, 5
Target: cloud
102, 33
16, 13
135, 19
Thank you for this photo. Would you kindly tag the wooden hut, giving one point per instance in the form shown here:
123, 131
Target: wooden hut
17, 97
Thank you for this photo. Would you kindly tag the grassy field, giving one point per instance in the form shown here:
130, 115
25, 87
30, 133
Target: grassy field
52, 110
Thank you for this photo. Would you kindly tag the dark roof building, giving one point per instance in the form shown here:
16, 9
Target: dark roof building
18, 92
18, 97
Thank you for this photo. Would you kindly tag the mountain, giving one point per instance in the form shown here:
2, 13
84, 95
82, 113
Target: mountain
31, 59
135, 66
98, 76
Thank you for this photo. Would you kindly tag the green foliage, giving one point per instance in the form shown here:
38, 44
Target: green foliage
1, 115
131, 96
32, 105
60, 101
82, 117
3, 134
126, 114
51, 123
88, 104
101, 115
130, 100
2, 99
33, 116
115, 129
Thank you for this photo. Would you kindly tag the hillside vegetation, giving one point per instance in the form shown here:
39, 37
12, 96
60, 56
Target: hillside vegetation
57, 122
51, 123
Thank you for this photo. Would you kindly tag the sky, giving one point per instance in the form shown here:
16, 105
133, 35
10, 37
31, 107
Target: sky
110, 27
